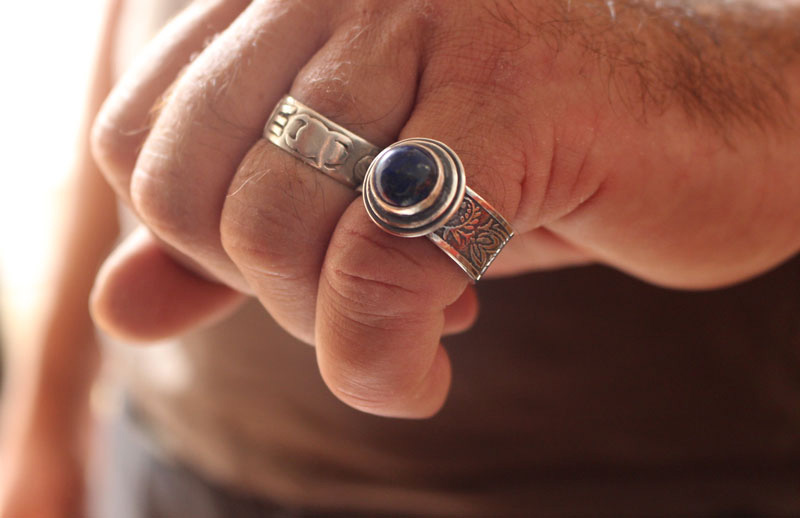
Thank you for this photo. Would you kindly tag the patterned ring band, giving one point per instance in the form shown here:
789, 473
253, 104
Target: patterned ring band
320, 142
415, 187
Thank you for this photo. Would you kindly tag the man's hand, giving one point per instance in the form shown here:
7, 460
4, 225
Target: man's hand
661, 141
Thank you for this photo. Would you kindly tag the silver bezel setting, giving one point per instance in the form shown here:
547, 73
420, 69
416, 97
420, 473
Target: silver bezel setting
429, 214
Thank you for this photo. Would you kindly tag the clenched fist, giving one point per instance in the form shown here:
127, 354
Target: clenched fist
656, 137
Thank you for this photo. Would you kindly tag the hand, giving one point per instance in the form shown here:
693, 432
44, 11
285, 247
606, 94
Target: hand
656, 140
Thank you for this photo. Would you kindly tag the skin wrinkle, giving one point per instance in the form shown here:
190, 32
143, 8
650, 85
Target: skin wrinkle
319, 192
297, 190
213, 88
355, 279
382, 246
322, 81
371, 313
331, 81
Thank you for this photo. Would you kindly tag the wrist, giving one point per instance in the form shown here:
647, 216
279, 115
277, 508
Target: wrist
42, 416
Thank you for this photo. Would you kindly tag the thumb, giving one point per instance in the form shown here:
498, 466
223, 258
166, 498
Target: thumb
142, 294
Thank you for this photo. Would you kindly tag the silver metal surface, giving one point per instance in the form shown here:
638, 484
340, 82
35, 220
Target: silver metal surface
432, 212
459, 221
320, 142
474, 236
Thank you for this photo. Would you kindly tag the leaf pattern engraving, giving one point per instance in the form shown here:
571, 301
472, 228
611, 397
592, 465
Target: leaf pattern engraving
474, 233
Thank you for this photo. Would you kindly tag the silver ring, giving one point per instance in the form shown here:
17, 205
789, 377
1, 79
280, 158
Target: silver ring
415, 187
319, 142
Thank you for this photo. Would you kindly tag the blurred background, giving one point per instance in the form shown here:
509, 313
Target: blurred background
46, 47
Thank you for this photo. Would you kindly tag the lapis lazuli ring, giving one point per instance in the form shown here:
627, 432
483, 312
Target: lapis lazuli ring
415, 187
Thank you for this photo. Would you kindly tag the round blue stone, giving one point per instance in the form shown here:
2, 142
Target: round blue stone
405, 175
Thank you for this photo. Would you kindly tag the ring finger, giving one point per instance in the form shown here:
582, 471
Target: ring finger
280, 212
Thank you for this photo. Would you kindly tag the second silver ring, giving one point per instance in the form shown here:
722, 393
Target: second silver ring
320, 142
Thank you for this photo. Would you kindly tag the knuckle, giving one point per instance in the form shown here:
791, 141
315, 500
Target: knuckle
365, 75
483, 48
248, 235
496, 170
373, 274
113, 147
159, 202
257, 237
331, 87
561, 175
364, 294
325, 85
265, 217
496, 141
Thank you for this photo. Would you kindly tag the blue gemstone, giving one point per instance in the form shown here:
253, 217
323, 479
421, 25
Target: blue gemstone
405, 175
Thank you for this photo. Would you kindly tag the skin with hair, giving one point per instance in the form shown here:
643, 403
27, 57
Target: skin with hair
657, 138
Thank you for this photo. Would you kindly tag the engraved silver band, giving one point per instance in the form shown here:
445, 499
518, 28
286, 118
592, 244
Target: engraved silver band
474, 236
459, 221
319, 142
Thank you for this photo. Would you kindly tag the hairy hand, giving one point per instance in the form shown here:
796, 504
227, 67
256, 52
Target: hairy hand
658, 140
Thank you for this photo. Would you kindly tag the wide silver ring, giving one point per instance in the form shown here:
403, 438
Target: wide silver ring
455, 218
319, 142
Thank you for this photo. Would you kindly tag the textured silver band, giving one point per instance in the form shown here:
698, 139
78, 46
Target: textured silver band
474, 236
319, 142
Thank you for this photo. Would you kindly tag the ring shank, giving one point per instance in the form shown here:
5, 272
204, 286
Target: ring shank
474, 236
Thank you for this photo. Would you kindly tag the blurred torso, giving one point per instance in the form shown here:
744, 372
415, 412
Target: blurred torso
577, 391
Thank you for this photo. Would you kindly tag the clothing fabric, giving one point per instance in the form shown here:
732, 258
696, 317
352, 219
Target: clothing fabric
581, 392
143, 482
